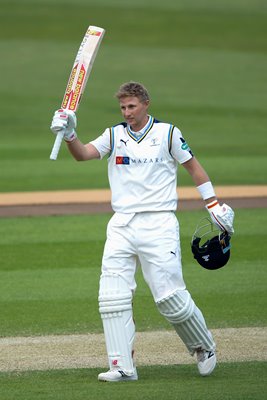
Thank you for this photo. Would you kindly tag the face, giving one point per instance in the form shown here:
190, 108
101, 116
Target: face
134, 112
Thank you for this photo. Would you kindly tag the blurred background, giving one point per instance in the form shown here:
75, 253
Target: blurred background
204, 63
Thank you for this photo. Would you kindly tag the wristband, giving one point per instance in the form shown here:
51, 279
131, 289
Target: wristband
206, 190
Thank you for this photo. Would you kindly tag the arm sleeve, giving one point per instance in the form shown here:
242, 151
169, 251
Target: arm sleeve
179, 149
103, 143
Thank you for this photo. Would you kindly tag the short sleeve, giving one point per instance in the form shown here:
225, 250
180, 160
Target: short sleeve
103, 143
179, 149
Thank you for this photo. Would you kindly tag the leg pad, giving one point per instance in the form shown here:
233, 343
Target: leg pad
115, 307
180, 310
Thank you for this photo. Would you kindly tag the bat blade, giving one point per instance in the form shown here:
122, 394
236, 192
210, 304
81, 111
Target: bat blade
79, 75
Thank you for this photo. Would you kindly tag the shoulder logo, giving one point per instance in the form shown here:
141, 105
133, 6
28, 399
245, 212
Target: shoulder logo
185, 146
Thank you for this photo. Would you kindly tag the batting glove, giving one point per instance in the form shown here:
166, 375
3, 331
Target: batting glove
222, 216
64, 120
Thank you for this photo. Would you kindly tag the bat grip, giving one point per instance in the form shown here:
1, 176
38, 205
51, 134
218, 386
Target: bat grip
57, 144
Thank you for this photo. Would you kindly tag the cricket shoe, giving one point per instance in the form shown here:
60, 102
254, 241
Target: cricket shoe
117, 375
206, 362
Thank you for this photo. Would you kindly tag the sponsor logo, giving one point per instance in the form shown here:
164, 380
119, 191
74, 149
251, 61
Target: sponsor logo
76, 94
94, 33
147, 160
114, 362
124, 141
185, 146
69, 87
122, 160
90, 32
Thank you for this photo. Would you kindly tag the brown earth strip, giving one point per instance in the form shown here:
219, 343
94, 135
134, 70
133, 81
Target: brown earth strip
98, 201
98, 208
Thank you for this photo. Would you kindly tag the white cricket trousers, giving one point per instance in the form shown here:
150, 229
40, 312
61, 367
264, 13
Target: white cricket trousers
151, 239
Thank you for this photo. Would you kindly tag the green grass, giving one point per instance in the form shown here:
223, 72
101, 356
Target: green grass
204, 63
51, 265
235, 381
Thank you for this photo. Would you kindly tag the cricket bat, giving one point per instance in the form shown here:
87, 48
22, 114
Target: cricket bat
78, 77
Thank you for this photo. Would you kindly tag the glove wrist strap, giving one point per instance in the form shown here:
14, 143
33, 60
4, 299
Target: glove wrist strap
70, 138
212, 204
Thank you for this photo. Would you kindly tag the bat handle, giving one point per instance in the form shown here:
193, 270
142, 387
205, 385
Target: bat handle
57, 144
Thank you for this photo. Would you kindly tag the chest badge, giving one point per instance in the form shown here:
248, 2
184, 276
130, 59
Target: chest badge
154, 142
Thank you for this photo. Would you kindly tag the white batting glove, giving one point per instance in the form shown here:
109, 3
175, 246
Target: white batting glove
222, 216
66, 121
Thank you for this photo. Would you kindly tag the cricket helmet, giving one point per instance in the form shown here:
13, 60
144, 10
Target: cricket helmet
210, 246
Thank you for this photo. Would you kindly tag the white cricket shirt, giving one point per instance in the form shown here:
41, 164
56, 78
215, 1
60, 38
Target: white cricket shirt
142, 166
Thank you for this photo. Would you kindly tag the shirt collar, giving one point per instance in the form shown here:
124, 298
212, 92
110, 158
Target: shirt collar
142, 131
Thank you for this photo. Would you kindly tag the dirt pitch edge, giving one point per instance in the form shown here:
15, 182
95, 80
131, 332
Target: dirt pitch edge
151, 348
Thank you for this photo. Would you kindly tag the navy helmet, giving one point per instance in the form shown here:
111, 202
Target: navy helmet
210, 246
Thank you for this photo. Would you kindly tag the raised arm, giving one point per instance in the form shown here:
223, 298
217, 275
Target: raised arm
82, 152
65, 121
